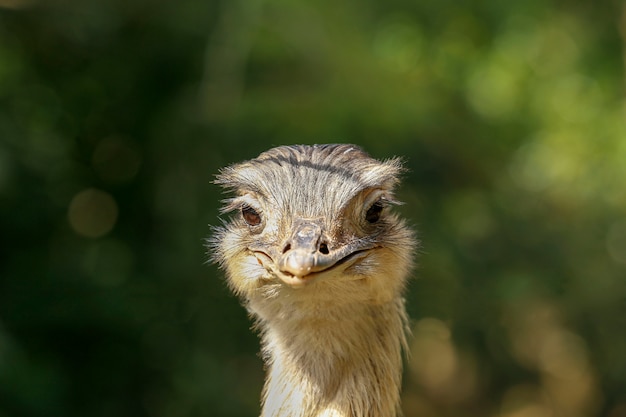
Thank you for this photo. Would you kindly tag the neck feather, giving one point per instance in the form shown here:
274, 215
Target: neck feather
342, 361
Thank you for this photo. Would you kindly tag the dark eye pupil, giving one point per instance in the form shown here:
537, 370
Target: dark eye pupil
250, 216
373, 213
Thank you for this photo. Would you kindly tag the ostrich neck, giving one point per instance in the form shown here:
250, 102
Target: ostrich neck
339, 361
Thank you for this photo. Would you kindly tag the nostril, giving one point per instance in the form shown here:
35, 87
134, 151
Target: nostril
324, 248
287, 247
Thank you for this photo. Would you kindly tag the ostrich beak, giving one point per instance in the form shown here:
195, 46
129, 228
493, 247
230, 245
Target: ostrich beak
307, 253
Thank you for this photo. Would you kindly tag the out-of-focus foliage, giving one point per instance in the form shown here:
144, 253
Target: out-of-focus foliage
115, 115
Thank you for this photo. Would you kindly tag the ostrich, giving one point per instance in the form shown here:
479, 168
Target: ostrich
320, 262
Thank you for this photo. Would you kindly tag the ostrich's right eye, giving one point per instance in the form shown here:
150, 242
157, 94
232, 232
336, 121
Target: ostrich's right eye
250, 216
374, 212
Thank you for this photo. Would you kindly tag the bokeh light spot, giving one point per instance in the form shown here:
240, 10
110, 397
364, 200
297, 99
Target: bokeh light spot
92, 213
16, 4
524, 400
442, 370
494, 92
439, 360
398, 45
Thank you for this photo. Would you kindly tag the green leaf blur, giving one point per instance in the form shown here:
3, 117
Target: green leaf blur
114, 117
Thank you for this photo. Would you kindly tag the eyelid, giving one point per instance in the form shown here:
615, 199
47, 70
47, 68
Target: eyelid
388, 202
237, 203
244, 205
379, 196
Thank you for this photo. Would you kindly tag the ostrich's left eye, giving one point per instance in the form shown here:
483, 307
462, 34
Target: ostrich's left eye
250, 216
373, 213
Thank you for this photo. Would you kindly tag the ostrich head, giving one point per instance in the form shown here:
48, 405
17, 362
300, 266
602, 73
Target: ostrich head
320, 260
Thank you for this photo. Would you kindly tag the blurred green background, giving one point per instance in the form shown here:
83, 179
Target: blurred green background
114, 116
